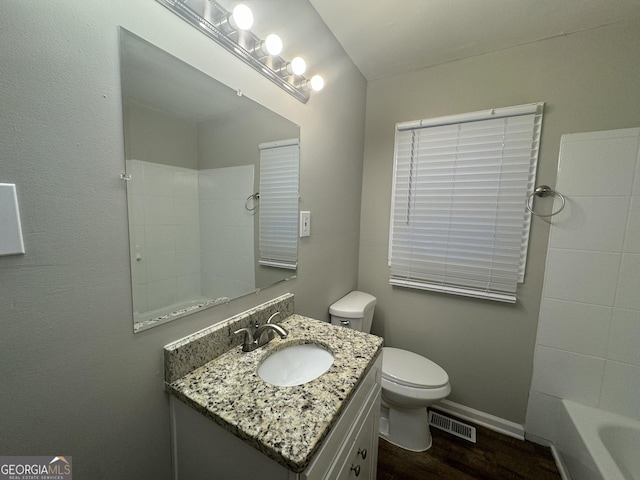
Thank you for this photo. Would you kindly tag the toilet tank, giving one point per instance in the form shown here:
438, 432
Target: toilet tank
354, 310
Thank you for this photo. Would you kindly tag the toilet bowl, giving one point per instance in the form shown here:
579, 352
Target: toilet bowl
410, 382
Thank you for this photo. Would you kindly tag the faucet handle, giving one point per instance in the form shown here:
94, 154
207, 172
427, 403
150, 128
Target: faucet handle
248, 335
271, 333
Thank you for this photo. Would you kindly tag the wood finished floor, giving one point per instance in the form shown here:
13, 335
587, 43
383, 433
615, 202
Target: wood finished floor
494, 457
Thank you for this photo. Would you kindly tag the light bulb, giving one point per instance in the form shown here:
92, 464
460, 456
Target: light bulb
316, 83
298, 66
273, 44
242, 17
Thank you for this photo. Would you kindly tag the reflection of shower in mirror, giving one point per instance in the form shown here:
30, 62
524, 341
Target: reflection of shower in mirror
192, 158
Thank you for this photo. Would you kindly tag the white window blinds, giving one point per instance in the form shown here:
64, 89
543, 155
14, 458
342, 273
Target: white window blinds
278, 210
458, 219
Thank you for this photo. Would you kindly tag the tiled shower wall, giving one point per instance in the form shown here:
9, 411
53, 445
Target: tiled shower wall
588, 343
187, 228
226, 226
164, 226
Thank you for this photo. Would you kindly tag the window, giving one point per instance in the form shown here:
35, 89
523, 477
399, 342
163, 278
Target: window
278, 211
458, 218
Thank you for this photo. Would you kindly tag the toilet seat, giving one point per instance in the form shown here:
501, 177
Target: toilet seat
409, 369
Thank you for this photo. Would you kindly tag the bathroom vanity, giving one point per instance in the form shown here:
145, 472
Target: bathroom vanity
227, 422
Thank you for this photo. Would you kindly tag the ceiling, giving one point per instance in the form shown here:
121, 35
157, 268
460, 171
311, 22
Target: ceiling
384, 38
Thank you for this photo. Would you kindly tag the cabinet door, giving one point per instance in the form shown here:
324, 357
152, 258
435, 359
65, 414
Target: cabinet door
202, 450
329, 460
361, 461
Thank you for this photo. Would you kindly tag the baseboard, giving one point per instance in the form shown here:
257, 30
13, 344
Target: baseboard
489, 421
539, 440
560, 465
562, 468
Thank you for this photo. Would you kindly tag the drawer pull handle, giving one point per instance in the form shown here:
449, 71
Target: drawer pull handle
345, 322
363, 453
356, 469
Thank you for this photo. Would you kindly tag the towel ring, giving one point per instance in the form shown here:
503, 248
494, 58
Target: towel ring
544, 191
255, 202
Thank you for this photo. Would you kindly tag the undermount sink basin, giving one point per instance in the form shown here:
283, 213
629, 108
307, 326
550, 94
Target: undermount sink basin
295, 365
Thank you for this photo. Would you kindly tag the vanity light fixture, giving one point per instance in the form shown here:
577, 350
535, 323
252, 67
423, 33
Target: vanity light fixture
298, 66
231, 31
273, 44
316, 83
242, 17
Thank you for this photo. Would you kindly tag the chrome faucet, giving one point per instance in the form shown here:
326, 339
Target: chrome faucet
255, 339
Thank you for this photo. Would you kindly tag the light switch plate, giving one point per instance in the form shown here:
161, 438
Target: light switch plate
10, 229
305, 224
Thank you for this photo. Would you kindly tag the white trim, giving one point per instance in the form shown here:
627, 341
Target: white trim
279, 143
560, 465
539, 440
487, 420
562, 468
604, 135
465, 292
269, 263
174, 437
525, 109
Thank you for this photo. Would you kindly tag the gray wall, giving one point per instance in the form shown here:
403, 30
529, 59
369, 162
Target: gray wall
589, 81
75, 379
154, 136
233, 140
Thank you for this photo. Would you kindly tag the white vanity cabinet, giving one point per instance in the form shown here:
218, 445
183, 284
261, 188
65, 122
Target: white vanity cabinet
359, 455
202, 450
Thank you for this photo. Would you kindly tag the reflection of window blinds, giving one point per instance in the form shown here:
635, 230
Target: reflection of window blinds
458, 222
278, 211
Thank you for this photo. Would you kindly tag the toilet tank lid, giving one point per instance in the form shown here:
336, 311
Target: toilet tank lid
353, 305
410, 369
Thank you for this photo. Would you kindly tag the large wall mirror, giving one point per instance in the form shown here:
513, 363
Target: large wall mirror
212, 187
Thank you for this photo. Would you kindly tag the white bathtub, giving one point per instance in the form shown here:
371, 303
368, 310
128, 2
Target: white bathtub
597, 445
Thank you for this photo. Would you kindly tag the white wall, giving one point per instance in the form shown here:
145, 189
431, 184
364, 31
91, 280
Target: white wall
75, 379
588, 81
589, 328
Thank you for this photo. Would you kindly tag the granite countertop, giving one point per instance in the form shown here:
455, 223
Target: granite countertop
285, 423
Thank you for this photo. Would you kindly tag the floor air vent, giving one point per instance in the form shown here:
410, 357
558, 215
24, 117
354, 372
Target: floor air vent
452, 426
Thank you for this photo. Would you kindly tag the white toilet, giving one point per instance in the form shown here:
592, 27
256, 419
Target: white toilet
410, 382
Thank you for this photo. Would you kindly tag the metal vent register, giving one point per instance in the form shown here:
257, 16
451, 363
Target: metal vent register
452, 426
